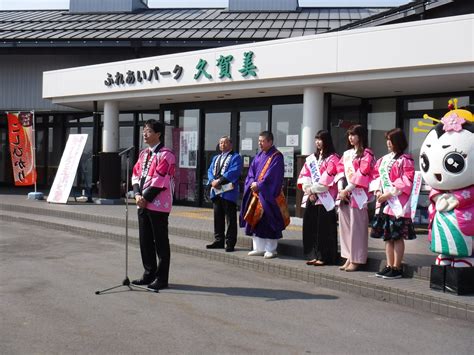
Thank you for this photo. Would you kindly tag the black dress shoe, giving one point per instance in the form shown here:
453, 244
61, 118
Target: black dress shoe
142, 282
215, 245
158, 285
229, 249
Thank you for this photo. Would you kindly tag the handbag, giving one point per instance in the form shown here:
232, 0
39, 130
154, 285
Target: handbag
378, 223
254, 212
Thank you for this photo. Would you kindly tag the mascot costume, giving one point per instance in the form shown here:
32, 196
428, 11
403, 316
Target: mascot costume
447, 166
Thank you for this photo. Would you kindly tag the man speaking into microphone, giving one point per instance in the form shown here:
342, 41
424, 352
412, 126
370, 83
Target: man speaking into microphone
153, 185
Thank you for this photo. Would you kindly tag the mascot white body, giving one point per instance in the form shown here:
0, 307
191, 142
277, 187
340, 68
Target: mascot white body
447, 165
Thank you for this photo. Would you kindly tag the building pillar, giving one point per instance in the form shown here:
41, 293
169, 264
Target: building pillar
110, 179
313, 113
313, 121
110, 135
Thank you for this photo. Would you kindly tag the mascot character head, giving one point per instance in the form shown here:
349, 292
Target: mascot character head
447, 153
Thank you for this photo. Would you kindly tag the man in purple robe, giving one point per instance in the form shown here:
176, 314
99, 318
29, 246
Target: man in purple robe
268, 186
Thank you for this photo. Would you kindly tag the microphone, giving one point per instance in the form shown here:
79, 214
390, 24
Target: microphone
126, 151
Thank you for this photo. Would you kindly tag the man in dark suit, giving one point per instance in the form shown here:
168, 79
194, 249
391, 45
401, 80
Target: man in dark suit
223, 175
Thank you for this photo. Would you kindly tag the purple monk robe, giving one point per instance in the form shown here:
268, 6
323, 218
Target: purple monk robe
271, 225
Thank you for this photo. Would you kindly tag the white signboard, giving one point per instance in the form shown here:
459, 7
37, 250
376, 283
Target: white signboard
67, 168
188, 149
246, 144
288, 157
292, 140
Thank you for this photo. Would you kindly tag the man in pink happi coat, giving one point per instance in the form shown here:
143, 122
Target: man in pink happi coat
153, 185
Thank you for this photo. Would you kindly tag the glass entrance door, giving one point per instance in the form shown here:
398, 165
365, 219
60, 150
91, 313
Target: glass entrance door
217, 124
251, 123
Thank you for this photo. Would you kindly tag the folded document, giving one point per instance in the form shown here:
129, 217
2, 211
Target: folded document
223, 188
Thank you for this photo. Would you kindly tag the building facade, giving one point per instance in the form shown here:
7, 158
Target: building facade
383, 77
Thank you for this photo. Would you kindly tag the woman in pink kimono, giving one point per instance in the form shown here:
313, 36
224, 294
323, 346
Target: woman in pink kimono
354, 168
316, 179
394, 174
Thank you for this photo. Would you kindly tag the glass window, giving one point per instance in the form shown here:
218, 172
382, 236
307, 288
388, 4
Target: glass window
126, 117
433, 103
251, 124
414, 140
168, 117
287, 123
4, 151
217, 125
344, 112
88, 119
185, 145
55, 146
40, 154
125, 141
149, 116
380, 119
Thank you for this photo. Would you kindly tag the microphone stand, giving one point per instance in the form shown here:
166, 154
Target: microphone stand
126, 282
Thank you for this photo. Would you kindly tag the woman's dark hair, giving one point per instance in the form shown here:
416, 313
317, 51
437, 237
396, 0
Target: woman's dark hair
328, 145
361, 132
398, 139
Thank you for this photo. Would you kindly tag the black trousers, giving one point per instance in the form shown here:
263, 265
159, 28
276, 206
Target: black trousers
225, 213
320, 234
153, 233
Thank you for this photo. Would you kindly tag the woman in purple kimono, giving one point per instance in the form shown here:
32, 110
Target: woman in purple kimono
268, 186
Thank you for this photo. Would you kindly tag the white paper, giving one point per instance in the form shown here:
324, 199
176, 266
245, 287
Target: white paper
223, 188
292, 140
246, 144
326, 200
288, 157
188, 149
360, 197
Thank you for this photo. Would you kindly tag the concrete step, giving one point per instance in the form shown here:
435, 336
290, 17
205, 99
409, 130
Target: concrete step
412, 293
288, 246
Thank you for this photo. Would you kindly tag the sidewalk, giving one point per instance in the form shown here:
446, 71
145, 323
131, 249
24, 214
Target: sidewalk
191, 229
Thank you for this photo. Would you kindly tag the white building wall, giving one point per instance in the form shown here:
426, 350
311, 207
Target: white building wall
385, 52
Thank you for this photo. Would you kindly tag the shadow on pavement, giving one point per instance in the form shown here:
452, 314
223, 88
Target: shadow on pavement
269, 294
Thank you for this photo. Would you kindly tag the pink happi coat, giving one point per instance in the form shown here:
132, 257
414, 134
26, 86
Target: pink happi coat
401, 175
327, 170
160, 174
363, 171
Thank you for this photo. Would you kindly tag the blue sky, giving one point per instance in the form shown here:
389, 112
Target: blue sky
64, 4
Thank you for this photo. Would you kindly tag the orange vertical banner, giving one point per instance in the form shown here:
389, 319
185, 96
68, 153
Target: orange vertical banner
20, 136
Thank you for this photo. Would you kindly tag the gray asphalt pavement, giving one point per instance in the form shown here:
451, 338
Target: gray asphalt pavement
48, 306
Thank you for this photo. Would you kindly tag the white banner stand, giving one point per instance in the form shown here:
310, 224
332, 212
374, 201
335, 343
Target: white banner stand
66, 173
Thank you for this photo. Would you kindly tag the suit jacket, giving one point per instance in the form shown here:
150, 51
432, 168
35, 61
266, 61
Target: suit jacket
228, 170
